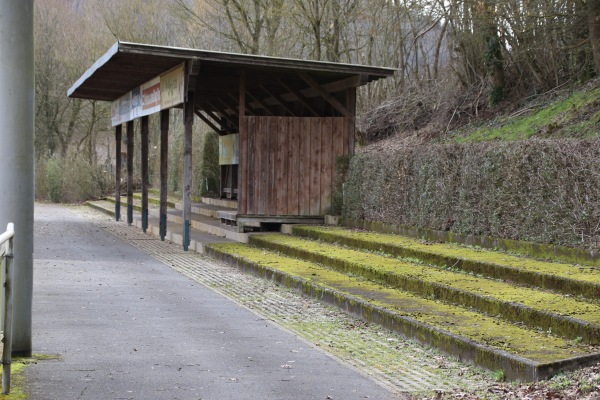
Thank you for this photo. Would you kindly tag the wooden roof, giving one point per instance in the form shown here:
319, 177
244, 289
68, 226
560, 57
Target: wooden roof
214, 75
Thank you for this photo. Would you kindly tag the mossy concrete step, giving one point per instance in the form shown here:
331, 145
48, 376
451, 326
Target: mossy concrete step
207, 210
155, 199
522, 353
107, 207
570, 279
225, 203
199, 222
538, 309
137, 204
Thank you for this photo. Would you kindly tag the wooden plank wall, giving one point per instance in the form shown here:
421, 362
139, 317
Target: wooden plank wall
287, 164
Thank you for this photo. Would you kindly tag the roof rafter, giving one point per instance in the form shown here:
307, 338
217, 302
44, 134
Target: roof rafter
335, 103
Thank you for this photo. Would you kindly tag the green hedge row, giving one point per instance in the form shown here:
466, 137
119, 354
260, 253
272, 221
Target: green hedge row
539, 190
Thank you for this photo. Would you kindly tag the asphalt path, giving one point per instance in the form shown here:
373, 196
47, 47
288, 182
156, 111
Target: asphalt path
126, 326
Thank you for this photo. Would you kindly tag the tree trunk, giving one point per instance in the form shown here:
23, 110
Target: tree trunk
594, 25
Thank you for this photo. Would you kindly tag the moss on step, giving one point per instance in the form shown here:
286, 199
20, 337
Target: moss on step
541, 310
566, 278
171, 201
451, 328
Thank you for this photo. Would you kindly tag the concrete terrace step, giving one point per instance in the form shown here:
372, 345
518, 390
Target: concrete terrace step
198, 238
225, 203
202, 221
137, 204
207, 210
208, 207
522, 353
199, 222
570, 279
545, 311
154, 199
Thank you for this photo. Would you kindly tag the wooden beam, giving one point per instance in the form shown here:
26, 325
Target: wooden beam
351, 94
118, 163
208, 122
278, 100
260, 103
331, 87
144, 130
338, 86
213, 116
223, 114
299, 97
326, 95
188, 117
249, 109
130, 172
242, 94
164, 171
223, 107
227, 107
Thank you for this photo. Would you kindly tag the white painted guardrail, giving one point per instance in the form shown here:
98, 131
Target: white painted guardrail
6, 259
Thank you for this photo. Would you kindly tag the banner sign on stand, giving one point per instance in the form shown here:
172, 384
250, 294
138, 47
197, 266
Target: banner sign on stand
163, 92
171, 88
151, 96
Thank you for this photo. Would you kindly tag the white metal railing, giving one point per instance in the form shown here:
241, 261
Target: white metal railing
6, 258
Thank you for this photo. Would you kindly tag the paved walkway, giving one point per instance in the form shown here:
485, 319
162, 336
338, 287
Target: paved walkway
127, 326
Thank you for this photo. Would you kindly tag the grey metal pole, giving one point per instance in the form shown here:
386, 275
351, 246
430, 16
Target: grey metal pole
17, 155
8, 310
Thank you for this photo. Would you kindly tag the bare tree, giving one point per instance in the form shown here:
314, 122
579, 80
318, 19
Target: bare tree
252, 26
143, 21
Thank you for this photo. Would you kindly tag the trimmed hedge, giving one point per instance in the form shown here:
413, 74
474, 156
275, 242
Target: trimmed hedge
539, 190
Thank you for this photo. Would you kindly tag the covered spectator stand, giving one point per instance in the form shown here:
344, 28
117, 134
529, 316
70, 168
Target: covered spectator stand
282, 122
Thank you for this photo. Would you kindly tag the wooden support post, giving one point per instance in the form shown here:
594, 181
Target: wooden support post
242, 169
130, 172
144, 129
118, 164
164, 171
188, 116
352, 121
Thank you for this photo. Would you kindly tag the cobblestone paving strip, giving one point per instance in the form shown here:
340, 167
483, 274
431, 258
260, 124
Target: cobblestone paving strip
396, 363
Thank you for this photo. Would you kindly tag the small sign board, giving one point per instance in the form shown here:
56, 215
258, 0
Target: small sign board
171, 88
229, 149
151, 96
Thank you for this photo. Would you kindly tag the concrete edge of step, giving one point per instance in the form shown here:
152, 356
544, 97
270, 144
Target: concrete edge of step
560, 324
175, 237
529, 278
514, 367
530, 249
